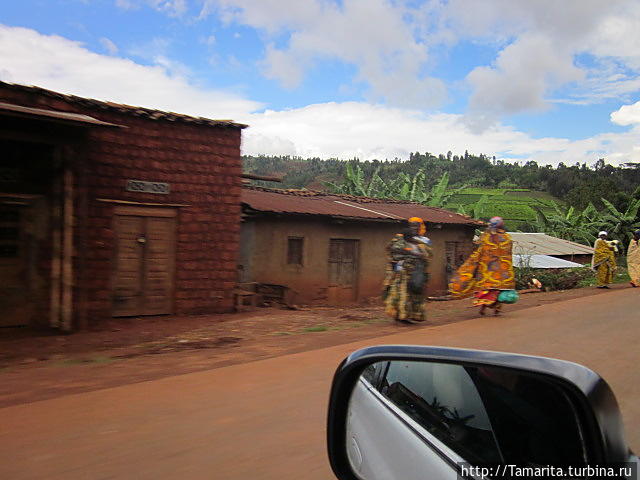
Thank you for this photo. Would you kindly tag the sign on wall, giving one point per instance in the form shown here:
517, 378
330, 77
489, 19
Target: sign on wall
147, 187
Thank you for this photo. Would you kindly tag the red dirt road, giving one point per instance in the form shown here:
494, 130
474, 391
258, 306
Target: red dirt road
265, 419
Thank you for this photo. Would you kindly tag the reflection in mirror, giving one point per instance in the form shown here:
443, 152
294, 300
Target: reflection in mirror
408, 419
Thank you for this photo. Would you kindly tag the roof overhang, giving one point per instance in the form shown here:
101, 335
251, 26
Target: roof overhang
55, 116
250, 212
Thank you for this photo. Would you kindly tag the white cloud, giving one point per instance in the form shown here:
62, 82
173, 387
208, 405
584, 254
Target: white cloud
109, 46
343, 130
173, 8
156, 51
352, 129
62, 65
539, 44
390, 44
627, 115
524, 73
126, 4
371, 35
606, 80
617, 35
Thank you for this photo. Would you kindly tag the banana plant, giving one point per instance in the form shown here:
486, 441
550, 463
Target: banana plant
479, 207
622, 224
354, 183
570, 224
403, 187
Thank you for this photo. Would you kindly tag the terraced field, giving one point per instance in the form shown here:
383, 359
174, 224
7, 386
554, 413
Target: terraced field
514, 205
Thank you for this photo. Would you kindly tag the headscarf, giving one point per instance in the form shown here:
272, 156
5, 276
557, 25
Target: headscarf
496, 222
422, 229
603, 233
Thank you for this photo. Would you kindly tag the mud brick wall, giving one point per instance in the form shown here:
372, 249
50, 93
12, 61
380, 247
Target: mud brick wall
202, 164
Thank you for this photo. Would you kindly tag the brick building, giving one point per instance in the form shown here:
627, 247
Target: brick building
112, 210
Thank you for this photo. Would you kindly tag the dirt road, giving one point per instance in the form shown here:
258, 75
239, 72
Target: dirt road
39, 365
265, 419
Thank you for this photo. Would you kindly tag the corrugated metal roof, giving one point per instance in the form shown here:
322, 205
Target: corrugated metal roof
542, 261
308, 202
126, 109
543, 244
20, 111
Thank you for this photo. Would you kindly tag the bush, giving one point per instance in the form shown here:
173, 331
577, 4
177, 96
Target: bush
555, 278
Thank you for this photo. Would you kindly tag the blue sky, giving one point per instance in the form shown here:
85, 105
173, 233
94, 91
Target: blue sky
545, 80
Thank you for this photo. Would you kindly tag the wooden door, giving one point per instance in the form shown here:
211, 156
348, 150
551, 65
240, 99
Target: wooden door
343, 271
158, 265
455, 255
15, 307
144, 264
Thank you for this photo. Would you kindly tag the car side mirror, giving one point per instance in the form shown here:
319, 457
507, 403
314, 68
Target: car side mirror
409, 412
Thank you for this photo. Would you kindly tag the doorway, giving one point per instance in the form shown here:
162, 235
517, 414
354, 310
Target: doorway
143, 278
14, 282
343, 271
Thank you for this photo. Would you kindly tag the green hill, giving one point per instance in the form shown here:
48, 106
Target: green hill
516, 206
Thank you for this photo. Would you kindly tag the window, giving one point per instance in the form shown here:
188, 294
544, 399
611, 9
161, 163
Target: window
372, 372
444, 400
488, 414
294, 250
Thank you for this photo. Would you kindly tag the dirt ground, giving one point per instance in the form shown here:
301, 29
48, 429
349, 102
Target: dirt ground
36, 365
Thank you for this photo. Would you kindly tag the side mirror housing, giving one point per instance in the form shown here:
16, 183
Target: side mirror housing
424, 412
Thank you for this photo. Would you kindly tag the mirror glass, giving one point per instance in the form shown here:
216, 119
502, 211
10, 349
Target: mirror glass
408, 416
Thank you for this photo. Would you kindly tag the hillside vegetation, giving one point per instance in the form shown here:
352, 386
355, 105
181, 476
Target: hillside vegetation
572, 202
518, 207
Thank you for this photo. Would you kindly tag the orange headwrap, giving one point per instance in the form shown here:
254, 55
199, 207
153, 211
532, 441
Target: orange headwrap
422, 229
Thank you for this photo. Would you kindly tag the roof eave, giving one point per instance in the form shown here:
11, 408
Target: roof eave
252, 211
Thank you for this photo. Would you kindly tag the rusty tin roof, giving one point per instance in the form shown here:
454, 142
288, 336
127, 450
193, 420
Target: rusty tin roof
543, 244
20, 111
310, 202
122, 108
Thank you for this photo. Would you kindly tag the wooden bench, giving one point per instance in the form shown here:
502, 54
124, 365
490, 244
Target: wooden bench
245, 297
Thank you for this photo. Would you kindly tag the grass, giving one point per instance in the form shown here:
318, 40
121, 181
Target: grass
316, 328
340, 326
67, 362
102, 359
621, 276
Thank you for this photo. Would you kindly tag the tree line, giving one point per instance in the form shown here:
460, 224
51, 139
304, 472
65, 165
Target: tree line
590, 197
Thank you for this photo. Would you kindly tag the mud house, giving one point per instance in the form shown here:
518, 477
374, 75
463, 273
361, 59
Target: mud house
112, 210
331, 248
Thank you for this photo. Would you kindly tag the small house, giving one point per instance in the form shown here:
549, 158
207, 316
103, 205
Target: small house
110, 210
330, 249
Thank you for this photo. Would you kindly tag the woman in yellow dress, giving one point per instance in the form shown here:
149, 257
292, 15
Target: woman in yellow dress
489, 269
604, 260
406, 276
633, 259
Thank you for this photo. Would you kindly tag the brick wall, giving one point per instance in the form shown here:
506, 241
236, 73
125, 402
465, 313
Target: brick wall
201, 163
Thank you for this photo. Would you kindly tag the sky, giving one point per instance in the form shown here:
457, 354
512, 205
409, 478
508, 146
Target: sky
545, 80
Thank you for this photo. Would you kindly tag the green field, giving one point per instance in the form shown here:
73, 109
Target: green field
516, 206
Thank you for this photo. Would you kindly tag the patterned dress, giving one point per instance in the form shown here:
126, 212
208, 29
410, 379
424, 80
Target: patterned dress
488, 270
604, 262
402, 302
633, 262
